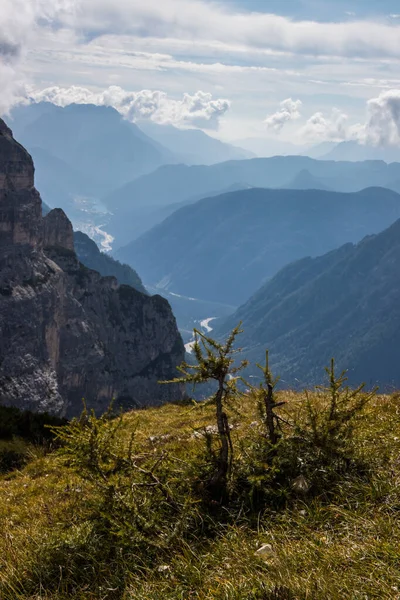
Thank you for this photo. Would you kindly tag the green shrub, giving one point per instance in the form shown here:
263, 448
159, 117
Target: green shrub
306, 453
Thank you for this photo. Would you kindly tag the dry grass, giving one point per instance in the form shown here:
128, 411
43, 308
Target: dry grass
346, 547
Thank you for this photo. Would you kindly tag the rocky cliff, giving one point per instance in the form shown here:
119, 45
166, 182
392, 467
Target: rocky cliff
66, 332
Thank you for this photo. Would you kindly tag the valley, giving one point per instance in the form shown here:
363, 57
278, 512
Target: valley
199, 300
204, 241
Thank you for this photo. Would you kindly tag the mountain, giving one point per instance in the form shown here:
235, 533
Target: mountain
139, 219
305, 181
66, 332
172, 184
319, 150
94, 140
345, 304
193, 146
353, 151
89, 254
60, 184
223, 248
267, 147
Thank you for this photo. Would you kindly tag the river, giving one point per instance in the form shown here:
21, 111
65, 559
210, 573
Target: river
205, 326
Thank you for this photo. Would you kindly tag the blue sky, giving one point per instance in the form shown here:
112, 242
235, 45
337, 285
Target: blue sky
319, 10
298, 71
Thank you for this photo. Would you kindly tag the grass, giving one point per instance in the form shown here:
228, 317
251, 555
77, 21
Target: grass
338, 543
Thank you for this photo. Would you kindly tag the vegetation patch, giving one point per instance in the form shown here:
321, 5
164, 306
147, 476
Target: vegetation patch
149, 505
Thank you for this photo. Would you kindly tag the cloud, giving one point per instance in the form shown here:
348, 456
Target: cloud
197, 110
381, 128
18, 23
289, 111
383, 121
321, 128
198, 20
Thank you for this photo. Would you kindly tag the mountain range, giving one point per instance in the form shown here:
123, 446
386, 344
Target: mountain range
344, 304
193, 146
94, 140
355, 151
223, 248
172, 184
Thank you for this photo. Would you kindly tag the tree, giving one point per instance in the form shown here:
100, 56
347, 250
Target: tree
267, 402
216, 362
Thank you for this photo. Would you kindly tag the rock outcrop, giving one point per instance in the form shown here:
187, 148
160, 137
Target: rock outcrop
66, 333
57, 230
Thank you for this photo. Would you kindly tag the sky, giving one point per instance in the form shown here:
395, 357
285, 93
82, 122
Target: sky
299, 71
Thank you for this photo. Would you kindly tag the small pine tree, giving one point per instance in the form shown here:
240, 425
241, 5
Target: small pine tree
267, 403
215, 362
332, 427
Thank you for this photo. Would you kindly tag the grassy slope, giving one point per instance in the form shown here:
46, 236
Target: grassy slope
346, 547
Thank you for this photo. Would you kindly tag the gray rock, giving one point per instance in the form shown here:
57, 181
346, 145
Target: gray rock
66, 332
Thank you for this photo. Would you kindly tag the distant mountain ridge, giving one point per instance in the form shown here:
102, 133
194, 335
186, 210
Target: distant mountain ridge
193, 146
305, 181
354, 151
95, 140
344, 304
172, 184
223, 248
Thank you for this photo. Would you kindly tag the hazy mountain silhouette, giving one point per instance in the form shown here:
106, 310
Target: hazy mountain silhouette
172, 184
305, 181
95, 140
193, 146
60, 183
222, 248
354, 151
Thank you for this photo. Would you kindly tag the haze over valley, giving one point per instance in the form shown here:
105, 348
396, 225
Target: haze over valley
199, 299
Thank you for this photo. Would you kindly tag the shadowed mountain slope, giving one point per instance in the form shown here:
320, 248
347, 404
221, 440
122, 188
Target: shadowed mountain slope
90, 255
345, 304
223, 248
172, 184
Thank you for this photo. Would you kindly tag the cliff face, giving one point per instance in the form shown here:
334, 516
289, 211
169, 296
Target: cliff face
66, 332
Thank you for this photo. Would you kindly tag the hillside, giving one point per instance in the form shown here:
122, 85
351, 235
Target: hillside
89, 254
143, 218
223, 248
95, 140
61, 184
193, 146
172, 184
69, 534
305, 181
344, 304
354, 151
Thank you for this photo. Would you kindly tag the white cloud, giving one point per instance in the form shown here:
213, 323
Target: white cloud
199, 109
383, 122
18, 22
382, 127
289, 111
321, 128
197, 20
